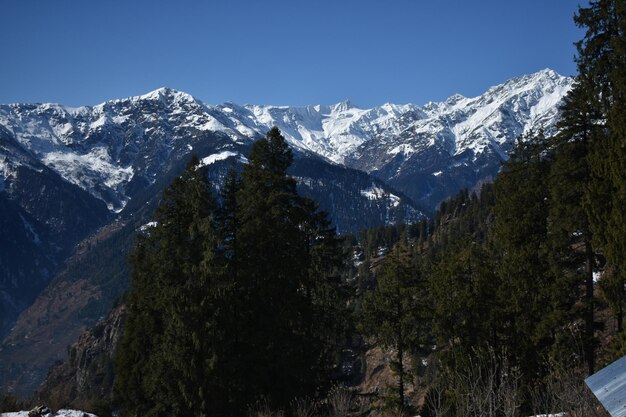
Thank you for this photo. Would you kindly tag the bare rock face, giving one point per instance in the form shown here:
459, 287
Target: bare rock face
87, 375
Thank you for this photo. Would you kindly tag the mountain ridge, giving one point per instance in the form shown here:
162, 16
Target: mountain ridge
367, 167
73, 142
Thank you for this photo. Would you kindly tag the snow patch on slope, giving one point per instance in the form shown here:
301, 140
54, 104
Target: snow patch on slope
376, 193
90, 171
211, 159
86, 170
60, 413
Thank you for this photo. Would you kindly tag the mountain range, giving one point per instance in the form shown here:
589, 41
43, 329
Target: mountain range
77, 183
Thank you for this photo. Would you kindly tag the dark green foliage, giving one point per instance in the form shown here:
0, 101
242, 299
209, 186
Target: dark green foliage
352, 211
380, 238
462, 217
289, 260
519, 237
394, 313
570, 236
507, 265
602, 85
505, 273
511, 270
9, 403
233, 301
165, 363
463, 294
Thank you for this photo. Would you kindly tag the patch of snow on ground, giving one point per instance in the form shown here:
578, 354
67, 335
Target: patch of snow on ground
246, 131
373, 193
377, 193
98, 123
146, 227
211, 159
60, 413
212, 124
404, 148
119, 119
6, 170
596, 276
394, 200
550, 415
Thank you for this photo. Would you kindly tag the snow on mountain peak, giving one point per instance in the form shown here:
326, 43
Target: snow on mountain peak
344, 106
454, 99
167, 94
102, 148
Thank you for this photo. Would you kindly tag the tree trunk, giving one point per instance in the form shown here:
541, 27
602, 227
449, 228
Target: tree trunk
400, 376
589, 345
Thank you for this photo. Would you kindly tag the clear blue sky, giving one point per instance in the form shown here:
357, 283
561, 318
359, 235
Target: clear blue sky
292, 52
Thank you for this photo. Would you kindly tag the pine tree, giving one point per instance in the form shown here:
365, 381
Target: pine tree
394, 313
519, 238
463, 292
287, 254
570, 233
232, 302
170, 346
601, 64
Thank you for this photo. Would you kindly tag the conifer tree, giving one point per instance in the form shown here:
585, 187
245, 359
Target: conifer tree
519, 238
171, 342
463, 292
234, 303
571, 248
601, 64
287, 256
394, 313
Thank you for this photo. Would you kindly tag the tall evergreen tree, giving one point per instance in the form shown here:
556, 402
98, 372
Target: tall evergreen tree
519, 238
463, 292
170, 347
570, 233
601, 64
394, 313
287, 257
234, 303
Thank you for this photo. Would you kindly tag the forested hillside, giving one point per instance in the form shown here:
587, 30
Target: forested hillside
245, 301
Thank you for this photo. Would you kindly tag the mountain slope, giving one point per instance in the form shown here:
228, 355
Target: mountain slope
41, 217
86, 288
94, 174
462, 141
113, 149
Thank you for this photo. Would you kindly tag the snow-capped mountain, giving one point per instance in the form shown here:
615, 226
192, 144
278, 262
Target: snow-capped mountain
348, 135
94, 174
112, 149
487, 123
76, 184
456, 144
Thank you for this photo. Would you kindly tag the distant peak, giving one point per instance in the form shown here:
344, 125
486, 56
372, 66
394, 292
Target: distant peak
542, 75
544, 79
455, 98
344, 105
167, 93
549, 72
